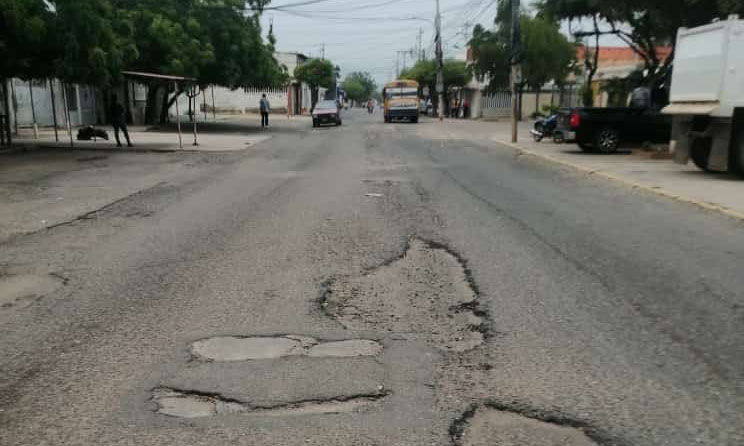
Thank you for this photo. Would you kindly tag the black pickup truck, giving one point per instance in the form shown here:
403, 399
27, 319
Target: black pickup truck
604, 130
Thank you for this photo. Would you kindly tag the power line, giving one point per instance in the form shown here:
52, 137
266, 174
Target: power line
292, 5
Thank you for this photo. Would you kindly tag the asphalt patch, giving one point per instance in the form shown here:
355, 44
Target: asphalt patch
231, 348
189, 404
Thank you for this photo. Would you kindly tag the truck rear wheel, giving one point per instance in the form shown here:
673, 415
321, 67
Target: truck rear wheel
700, 152
737, 154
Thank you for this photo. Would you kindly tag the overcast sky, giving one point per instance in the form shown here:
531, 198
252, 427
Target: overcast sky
366, 35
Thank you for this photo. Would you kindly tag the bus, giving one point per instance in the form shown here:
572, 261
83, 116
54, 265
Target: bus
401, 100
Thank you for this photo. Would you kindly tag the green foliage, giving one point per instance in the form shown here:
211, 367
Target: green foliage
547, 54
316, 73
359, 86
92, 41
24, 39
455, 74
91, 44
651, 23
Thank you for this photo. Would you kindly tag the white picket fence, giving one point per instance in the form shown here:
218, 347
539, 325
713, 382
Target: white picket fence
496, 105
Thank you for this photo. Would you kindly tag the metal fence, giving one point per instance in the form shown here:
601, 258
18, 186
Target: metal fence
498, 104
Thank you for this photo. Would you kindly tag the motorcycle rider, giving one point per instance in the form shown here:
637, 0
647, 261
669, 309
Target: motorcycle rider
370, 105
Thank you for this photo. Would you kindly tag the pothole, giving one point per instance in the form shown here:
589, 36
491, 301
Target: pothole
428, 290
185, 404
486, 426
231, 348
20, 290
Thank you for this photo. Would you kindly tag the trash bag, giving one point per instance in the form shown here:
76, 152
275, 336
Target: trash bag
90, 132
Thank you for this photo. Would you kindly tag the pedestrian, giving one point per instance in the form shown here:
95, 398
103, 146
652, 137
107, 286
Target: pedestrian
265, 108
465, 108
118, 117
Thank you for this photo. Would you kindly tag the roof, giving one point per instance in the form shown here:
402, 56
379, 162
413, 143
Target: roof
621, 55
157, 76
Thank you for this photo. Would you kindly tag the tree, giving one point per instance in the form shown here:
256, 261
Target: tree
218, 42
92, 41
455, 74
24, 40
359, 86
547, 54
316, 73
93, 44
643, 25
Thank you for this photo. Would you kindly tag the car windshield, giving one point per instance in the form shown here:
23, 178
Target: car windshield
407, 92
325, 105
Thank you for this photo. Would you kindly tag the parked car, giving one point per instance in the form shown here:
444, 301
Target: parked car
326, 112
604, 130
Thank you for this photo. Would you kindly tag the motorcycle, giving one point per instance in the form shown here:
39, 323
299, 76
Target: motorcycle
547, 127
370, 109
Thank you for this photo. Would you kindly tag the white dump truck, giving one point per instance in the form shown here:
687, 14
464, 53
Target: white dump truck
707, 96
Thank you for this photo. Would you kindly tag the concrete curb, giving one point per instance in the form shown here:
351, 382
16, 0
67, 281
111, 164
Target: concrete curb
632, 184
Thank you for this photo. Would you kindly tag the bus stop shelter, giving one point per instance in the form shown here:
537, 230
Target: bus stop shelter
175, 80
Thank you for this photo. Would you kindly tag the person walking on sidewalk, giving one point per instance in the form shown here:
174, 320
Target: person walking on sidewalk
119, 120
265, 108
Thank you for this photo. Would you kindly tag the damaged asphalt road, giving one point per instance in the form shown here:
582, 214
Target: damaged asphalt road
365, 286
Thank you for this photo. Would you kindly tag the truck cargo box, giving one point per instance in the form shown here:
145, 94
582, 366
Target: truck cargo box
708, 75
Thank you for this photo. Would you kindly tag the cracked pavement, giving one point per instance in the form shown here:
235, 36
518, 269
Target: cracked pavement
453, 293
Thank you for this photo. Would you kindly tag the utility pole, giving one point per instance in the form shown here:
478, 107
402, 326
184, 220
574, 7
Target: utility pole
420, 48
397, 61
440, 64
516, 71
322, 51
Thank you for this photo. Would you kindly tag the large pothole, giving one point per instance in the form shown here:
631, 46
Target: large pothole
184, 404
231, 348
488, 426
21, 290
427, 291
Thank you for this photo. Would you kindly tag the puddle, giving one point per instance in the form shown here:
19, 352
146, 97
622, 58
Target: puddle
492, 426
23, 289
230, 348
427, 290
179, 404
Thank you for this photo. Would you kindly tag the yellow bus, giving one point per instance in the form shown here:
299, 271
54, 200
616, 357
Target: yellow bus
401, 100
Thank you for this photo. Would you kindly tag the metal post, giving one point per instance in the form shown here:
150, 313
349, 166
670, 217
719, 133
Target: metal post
54, 110
6, 101
178, 116
193, 92
516, 72
33, 109
204, 97
15, 107
67, 115
440, 65
214, 110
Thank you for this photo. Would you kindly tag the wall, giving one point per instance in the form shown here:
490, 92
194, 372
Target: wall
498, 105
81, 99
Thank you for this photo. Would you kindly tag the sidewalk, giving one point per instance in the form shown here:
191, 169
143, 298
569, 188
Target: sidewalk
149, 140
44, 183
650, 171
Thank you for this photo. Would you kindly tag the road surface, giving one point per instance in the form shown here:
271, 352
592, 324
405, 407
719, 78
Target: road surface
365, 285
